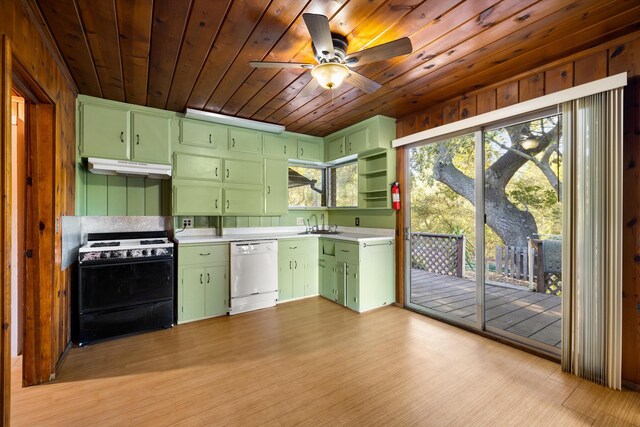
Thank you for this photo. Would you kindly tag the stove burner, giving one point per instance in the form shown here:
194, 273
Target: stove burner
104, 244
152, 242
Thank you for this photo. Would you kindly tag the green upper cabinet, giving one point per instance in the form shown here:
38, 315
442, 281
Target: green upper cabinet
276, 194
151, 138
245, 141
242, 201
242, 171
104, 131
115, 130
202, 134
196, 199
203, 168
358, 141
336, 148
279, 146
372, 134
310, 150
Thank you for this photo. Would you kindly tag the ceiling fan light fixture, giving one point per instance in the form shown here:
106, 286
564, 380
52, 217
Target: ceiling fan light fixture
330, 75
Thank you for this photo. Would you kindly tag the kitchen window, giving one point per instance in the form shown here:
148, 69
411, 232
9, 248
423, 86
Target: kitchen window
343, 184
307, 187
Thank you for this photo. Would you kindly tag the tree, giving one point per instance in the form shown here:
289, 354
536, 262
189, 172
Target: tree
508, 150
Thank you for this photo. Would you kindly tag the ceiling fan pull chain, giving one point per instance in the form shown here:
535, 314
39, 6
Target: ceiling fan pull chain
331, 89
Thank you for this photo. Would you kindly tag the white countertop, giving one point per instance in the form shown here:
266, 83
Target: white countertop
278, 233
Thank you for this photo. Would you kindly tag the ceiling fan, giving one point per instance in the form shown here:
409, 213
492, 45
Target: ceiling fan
334, 64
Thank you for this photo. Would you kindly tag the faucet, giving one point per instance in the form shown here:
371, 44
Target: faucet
322, 218
316, 218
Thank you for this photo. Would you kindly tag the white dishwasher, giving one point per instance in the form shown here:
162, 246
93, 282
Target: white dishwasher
254, 275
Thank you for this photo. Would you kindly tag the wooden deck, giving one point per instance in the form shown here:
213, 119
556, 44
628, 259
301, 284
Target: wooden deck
528, 314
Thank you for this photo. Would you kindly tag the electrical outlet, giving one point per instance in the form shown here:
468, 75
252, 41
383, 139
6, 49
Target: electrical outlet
187, 222
357, 221
299, 220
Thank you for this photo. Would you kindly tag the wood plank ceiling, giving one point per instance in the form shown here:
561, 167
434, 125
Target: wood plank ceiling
174, 54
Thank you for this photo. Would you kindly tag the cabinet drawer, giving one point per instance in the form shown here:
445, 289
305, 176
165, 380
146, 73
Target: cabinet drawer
204, 168
242, 172
203, 254
347, 252
245, 141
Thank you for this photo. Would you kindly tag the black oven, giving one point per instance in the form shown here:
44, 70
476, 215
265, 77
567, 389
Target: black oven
119, 294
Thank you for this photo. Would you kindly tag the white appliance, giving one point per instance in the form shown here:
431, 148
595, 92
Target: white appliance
128, 168
254, 275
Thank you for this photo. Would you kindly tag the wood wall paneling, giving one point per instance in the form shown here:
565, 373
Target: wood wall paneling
558, 78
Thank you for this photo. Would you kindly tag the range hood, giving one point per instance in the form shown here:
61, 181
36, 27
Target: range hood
127, 168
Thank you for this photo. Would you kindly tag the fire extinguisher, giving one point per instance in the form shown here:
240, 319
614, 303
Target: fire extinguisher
395, 195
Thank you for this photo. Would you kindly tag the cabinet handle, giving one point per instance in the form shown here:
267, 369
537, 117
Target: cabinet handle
216, 203
207, 254
122, 137
137, 139
233, 142
208, 278
293, 247
268, 189
227, 173
216, 173
201, 278
289, 265
227, 204
296, 264
209, 138
349, 146
302, 151
285, 149
344, 250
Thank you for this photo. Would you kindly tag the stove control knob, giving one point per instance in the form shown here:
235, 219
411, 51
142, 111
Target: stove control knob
129, 254
104, 254
152, 252
144, 252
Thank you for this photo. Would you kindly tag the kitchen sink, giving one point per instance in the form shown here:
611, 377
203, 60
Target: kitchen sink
323, 232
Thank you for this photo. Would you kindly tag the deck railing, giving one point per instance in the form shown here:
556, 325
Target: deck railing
438, 253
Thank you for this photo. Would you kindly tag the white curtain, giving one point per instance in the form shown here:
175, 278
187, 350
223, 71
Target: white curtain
592, 243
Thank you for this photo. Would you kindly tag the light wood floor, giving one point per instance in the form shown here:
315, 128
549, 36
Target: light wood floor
313, 362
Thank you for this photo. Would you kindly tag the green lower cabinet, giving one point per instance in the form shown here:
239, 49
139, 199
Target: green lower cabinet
285, 277
352, 287
297, 268
216, 301
191, 304
327, 276
340, 282
203, 281
299, 274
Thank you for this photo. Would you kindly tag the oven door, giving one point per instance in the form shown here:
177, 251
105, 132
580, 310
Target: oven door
113, 285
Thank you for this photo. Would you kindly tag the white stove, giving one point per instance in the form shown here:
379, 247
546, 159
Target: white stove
105, 247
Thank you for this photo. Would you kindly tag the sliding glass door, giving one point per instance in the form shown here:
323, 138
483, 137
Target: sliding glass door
523, 231
484, 219
443, 230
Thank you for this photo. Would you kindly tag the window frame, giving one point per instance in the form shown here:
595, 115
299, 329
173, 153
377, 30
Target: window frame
323, 195
331, 185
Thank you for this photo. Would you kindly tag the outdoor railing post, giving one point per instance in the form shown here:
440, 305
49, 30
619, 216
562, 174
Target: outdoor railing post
540, 266
460, 257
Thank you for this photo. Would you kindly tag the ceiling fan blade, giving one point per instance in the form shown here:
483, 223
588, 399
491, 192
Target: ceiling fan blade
363, 83
309, 88
378, 53
267, 64
318, 26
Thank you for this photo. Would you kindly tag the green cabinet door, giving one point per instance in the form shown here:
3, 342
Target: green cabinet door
353, 287
245, 141
285, 276
240, 201
279, 146
309, 150
336, 148
242, 171
192, 294
276, 191
151, 138
193, 199
104, 132
193, 132
216, 291
299, 278
340, 282
203, 168
358, 141
327, 268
